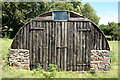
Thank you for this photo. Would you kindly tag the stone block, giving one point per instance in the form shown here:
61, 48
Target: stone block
94, 58
106, 62
96, 62
21, 54
100, 58
93, 65
103, 62
26, 54
18, 59
16, 64
11, 58
26, 65
26, 62
22, 60
101, 65
26, 68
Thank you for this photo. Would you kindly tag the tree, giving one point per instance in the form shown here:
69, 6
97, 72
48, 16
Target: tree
90, 13
16, 14
111, 29
104, 28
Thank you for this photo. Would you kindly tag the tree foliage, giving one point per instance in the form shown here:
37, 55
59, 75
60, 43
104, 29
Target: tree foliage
90, 13
16, 14
111, 29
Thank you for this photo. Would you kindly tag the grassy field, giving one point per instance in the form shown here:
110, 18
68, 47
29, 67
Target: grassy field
11, 72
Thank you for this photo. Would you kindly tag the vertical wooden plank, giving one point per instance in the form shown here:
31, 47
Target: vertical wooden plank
57, 43
65, 53
62, 44
91, 27
58, 54
54, 46
30, 46
21, 42
81, 43
75, 54
25, 41
51, 33
77, 47
100, 40
71, 44
37, 44
55, 29
27, 36
50, 57
23, 38
40, 43
16, 41
43, 47
83, 47
52, 43
89, 46
49, 43
97, 40
46, 45
86, 26
34, 45
96, 44
104, 44
94, 38
69, 47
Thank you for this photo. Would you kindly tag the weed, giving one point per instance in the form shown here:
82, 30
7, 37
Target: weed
52, 71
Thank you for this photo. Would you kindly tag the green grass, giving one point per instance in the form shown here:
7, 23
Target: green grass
5, 44
12, 72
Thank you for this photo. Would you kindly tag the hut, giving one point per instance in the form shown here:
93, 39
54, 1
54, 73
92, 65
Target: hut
64, 38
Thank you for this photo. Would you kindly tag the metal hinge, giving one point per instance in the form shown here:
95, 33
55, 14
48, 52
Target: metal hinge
36, 28
59, 47
83, 29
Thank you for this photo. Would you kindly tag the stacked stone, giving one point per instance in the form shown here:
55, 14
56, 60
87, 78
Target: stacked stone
100, 59
19, 58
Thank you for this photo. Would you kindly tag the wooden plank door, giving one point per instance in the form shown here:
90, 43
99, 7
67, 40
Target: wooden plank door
83, 46
65, 44
61, 45
78, 43
37, 44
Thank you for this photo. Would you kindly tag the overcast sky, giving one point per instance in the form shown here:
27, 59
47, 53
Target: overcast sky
107, 10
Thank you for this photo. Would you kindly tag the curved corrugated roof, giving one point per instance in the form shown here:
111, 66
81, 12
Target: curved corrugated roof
65, 11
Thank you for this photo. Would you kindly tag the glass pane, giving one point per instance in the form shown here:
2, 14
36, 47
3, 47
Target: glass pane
60, 15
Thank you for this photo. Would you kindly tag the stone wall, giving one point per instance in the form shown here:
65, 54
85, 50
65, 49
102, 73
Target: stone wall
100, 59
19, 58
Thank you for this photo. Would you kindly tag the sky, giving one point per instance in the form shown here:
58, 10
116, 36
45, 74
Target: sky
107, 10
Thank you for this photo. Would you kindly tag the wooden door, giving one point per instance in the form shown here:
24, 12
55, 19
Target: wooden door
78, 43
73, 46
65, 44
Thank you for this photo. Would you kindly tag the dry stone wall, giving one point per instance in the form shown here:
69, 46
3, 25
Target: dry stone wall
100, 59
19, 58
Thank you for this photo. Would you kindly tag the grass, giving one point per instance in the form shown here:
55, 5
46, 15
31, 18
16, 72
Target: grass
12, 72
